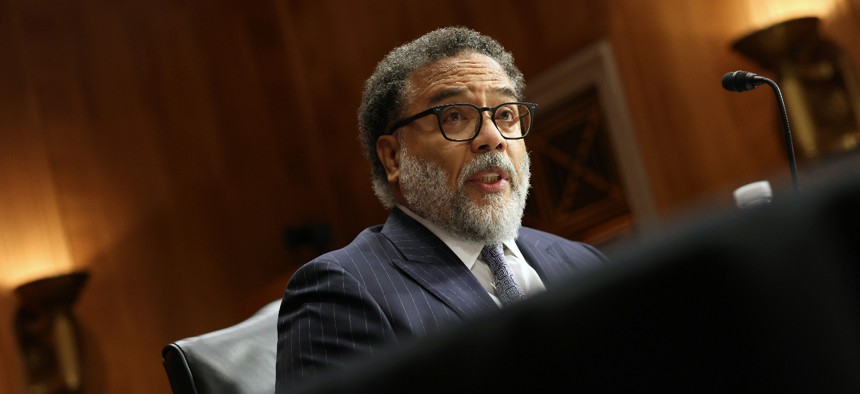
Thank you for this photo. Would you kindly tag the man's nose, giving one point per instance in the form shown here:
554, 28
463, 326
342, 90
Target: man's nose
489, 137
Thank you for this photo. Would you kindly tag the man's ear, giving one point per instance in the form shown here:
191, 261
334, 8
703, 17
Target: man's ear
388, 151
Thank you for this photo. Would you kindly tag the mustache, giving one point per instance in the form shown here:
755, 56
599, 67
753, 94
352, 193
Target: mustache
487, 161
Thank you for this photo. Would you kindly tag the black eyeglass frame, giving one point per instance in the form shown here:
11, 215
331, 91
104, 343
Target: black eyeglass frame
437, 110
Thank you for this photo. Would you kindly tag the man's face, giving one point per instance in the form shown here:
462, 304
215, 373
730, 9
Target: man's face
477, 188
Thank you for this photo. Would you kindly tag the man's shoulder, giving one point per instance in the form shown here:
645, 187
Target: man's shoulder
532, 234
369, 241
538, 238
348, 264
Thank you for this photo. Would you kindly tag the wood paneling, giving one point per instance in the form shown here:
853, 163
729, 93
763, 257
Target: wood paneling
165, 146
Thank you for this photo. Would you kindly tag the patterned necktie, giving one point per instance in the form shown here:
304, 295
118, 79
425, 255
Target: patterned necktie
506, 285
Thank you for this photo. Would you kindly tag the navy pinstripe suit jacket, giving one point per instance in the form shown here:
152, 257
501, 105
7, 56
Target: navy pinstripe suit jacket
393, 282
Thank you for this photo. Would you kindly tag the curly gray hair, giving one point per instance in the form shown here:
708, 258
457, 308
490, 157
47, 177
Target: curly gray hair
383, 100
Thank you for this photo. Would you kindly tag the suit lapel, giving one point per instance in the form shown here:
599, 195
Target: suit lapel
430, 263
537, 255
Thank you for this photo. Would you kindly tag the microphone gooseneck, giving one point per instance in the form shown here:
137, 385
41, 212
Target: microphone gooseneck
741, 81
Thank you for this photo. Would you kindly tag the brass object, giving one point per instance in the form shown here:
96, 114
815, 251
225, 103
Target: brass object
818, 81
47, 334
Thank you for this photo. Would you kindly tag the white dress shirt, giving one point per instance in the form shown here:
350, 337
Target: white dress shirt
469, 253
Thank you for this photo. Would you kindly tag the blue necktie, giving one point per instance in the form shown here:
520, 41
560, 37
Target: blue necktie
507, 288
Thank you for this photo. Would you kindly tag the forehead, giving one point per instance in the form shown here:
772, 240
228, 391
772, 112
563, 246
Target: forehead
464, 74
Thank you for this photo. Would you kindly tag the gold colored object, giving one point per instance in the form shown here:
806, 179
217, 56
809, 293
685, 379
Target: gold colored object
47, 334
818, 82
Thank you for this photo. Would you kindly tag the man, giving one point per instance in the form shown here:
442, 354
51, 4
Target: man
442, 124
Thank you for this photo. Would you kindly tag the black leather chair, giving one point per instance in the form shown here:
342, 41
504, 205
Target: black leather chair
237, 359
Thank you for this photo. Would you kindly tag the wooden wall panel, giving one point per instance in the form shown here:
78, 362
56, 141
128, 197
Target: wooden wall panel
699, 142
165, 146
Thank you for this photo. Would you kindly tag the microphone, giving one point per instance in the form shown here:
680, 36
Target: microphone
741, 81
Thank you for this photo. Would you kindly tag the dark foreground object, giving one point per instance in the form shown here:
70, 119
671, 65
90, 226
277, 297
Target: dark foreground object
760, 300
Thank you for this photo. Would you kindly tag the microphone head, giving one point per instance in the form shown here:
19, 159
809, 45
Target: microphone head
741, 81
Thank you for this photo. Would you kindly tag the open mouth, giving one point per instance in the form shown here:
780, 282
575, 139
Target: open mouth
490, 180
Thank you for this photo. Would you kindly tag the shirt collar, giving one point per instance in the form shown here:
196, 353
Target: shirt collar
467, 251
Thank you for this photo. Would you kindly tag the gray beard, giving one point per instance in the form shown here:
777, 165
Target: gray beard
425, 188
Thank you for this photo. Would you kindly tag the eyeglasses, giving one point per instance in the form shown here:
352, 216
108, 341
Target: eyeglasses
462, 122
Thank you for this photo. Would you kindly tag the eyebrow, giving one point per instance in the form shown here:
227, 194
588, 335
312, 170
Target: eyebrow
438, 97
